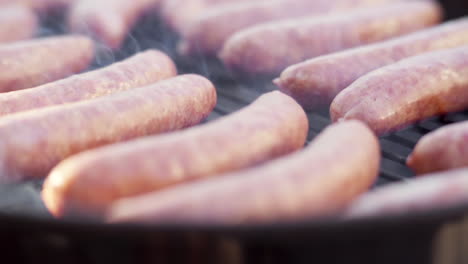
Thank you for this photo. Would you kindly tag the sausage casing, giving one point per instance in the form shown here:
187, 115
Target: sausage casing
316, 82
33, 142
317, 182
272, 126
142, 69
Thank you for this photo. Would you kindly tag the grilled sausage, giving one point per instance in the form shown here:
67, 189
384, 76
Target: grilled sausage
28, 63
17, 22
109, 21
444, 149
316, 82
142, 69
298, 39
35, 141
317, 182
433, 191
246, 138
179, 14
208, 33
408, 91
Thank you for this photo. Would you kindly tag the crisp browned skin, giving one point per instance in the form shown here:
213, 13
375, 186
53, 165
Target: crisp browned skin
180, 14
444, 149
142, 69
316, 82
33, 142
208, 33
31, 63
109, 21
317, 182
84, 185
17, 22
408, 91
431, 192
295, 40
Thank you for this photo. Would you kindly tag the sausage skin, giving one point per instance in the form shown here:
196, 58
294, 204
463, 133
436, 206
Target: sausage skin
408, 91
209, 32
140, 70
315, 82
109, 21
433, 191
295, 40
33, 142
443, 149
317, 182
248, 137
180, 14
17, 22
28, 63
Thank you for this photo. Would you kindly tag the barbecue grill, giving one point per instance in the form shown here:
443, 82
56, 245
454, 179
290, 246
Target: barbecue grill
28, 234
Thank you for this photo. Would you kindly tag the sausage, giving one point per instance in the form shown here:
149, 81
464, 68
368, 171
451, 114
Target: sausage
109, 21
317, 182
179, 14
141, 69
209, 32
45, 6
433, 191
33, 142
17, 22
243, 139
315, 82
247, 52
408, 91
445, 148
27, 64
41, 6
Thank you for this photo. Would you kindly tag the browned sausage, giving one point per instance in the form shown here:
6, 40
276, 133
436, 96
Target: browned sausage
180, 14
316, 82
142, 69
446, 148
408, 91
431, 192
208, 33
109, 21
17, 22
33, 142
29, 63
317, 182
249, 51
253, 135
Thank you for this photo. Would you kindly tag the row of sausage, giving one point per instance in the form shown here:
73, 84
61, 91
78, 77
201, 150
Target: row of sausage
42, 129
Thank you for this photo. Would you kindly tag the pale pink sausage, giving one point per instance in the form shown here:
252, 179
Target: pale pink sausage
317, 182
142, 69
431, 192
316, 82
413, 89
17, 22
109, 21
443, 149
33, 142
84, 185
180, 14
270, 47
209, 32
26, 64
